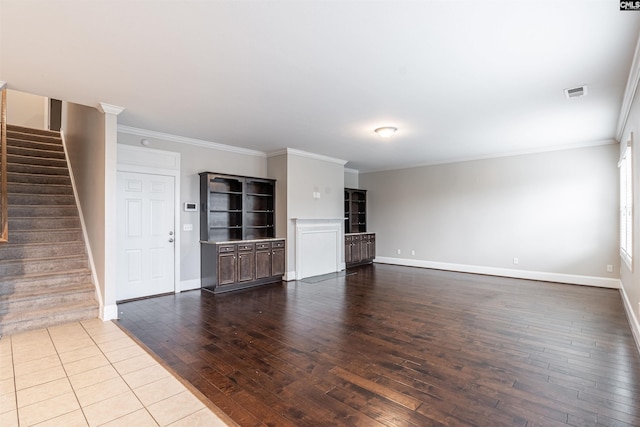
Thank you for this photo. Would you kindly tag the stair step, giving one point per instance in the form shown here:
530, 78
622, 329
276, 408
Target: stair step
52, 236
14, 149
51, 281
28, 136
35, 211
38, 179
18, 159
45, 224
11, 251
29, 188
22, 129
37, 169
18, 267
35, 145
41, 199
21, 321
42, 298
44, 269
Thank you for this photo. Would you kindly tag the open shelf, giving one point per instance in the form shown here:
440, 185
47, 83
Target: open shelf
236, 207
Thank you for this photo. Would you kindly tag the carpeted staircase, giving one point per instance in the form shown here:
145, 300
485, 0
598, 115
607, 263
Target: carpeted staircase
44, 271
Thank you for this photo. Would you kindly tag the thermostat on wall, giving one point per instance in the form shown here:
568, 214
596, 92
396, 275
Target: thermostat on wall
190, 207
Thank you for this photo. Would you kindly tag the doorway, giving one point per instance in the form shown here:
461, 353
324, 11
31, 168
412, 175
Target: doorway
146, 235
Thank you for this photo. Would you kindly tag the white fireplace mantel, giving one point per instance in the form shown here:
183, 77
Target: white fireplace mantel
319, 246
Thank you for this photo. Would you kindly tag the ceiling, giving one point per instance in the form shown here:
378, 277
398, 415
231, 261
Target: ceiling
460, 79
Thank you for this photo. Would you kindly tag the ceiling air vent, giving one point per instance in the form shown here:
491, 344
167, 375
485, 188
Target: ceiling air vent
575, 92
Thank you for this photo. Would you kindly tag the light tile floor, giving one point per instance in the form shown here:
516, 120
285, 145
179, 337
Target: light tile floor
91, 373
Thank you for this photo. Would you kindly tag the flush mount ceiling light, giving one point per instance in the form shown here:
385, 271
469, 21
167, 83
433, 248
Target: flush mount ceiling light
386, 132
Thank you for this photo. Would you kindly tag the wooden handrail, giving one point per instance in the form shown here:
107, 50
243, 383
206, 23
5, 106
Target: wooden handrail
4, 209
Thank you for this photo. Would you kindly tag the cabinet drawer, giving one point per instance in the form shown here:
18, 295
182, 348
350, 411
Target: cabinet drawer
356, 238
226, 248
245, 246
263, 246
277, 244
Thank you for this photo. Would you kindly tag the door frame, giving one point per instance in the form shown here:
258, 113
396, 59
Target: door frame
150, 161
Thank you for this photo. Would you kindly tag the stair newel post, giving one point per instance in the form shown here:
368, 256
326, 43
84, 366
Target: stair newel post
4, 212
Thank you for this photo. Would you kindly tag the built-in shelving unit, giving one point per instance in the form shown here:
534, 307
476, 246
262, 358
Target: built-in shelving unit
355, 210
237, 233
360, 246
236, 208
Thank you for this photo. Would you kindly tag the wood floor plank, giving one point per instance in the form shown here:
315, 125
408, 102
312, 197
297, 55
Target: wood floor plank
398, 346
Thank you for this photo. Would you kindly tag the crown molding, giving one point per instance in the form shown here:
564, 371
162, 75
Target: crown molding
356, 171
300, 153
109, 109
190, 141
629, 92
505, 154
3, 85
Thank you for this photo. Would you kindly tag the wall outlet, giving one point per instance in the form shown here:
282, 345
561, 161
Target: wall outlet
187, 227
413, 253
610, 268
516, 260
398, 251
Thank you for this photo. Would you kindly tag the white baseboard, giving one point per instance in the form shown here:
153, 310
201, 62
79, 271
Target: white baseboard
187, 285
602, 282
289, 276
631, 316
109, 312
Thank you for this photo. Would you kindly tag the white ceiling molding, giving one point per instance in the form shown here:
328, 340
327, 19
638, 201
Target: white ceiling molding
630, 92
356, 171
110, 109
500, 155
306, 154
2, 84
191, 141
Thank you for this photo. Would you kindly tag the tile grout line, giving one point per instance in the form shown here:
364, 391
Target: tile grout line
59, 340
67, 375
119, 375
15, 385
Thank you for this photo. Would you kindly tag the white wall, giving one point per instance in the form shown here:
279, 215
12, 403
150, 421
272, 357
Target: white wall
277, 169
306, 175
195, 159
25, 109
351, 178
84, 131
557, 212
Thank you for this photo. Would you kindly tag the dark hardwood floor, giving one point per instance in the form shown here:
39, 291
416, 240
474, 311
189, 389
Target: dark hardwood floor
397, 346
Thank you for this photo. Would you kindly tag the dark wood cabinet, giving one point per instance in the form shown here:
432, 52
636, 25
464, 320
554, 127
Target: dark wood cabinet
263, 260
355, 210
277, 257
360, 248
246, 262
226, 268
237, 232
229, 266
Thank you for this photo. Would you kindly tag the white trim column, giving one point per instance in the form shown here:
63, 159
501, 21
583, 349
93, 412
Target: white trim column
111, 112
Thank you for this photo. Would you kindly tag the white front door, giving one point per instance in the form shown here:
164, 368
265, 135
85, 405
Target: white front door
146, 235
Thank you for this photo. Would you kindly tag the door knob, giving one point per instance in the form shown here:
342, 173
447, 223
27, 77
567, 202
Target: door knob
171, 233
171, 240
